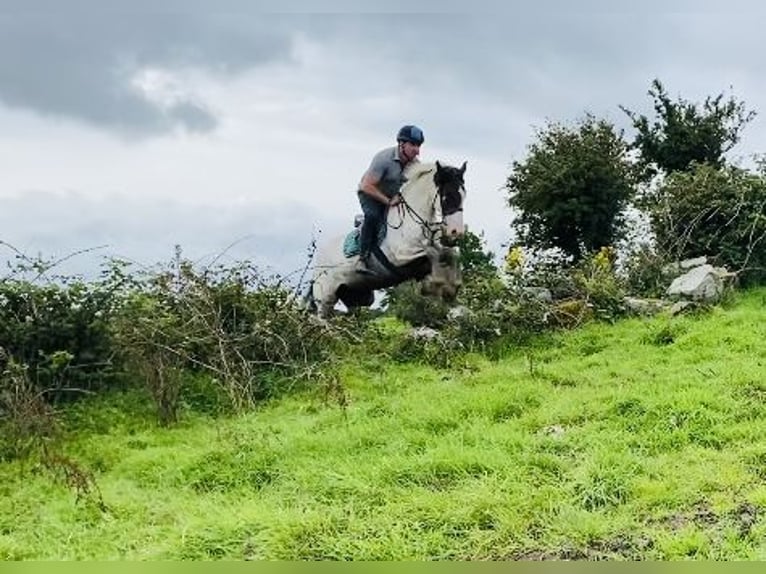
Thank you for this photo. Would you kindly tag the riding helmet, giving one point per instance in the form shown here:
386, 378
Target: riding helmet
412, 134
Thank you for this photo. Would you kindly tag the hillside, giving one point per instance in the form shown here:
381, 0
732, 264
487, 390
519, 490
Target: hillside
638, 440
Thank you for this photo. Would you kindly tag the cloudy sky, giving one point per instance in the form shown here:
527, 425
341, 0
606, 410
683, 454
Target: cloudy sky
238, 131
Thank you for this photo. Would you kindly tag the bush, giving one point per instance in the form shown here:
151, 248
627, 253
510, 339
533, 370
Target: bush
599, 287
718, 213
242, 329
164, 328
533, 269
26, 419
408, 304
60, 332
493, 314
645, 272
439, 350
579, 291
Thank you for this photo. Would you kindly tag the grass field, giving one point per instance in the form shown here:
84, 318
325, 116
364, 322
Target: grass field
640, 440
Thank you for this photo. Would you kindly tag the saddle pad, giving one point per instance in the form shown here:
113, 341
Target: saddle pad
351, 243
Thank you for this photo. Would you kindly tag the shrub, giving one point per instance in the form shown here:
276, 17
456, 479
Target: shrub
598, 285
235, 325
408, 304
437, 349
580, 290
645, 272
60, 331
495, 311
718, 213
26, 419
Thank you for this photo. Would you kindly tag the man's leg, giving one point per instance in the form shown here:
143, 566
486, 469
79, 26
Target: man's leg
373, 218
369, 234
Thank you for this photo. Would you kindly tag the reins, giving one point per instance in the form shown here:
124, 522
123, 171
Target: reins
430, 230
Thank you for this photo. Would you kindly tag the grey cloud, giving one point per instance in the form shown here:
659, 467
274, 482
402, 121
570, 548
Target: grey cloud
537, 61
77, 64
485, 71
193, 116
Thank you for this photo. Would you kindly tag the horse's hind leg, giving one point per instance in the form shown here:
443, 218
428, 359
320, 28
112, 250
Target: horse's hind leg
325, 308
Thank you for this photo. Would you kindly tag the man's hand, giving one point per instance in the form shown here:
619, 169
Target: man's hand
394, 201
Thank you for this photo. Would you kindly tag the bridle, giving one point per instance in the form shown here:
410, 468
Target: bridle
430, 229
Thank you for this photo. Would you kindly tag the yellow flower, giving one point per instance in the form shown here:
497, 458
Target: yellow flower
514, 260
605, 257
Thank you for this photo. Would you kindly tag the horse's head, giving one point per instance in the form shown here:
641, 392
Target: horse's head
450, 184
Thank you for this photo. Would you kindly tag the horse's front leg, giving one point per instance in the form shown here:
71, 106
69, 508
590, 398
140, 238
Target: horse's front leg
325, 309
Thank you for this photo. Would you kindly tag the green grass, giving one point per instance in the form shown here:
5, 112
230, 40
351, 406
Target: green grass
639, 440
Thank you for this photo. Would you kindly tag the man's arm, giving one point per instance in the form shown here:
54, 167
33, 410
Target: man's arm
369, 186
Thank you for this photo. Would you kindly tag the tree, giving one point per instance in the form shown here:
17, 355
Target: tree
573, 187
683, 132
474, 260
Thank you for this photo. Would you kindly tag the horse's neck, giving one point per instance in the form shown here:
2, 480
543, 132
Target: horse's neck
421, 199
409, 225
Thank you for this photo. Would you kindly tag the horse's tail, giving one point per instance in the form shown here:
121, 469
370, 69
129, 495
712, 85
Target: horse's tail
309, 302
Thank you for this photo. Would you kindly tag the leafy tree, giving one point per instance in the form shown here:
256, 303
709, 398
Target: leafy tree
571, 190
684, 132
474, 259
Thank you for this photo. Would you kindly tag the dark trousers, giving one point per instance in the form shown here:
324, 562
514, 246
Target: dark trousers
374, 217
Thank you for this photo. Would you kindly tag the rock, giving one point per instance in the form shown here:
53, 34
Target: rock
426, 333
458, 312
692, 263
686, 264
703, 283
540, 293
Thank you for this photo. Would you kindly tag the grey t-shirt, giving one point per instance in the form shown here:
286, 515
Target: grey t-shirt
387, 168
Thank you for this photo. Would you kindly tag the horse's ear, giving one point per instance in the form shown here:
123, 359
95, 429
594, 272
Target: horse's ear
462, 169
438, 166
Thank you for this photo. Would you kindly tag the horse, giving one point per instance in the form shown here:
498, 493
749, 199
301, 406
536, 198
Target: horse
418, 244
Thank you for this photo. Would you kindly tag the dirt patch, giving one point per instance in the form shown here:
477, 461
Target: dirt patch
700, 515
621, 546
744, 517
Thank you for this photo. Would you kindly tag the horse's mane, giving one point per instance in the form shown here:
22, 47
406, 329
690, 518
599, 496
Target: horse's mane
414, 171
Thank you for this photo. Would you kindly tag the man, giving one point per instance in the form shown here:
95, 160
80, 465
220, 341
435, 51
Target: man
379, 187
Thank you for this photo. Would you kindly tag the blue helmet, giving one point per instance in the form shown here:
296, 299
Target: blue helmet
412, 134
